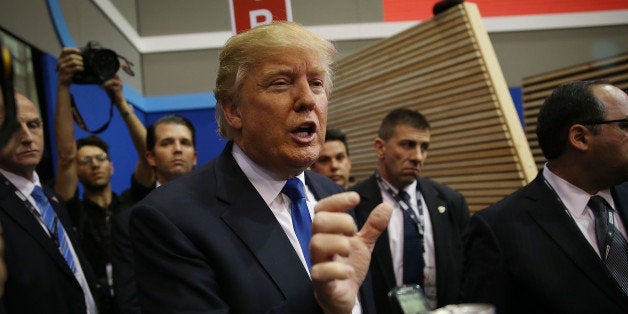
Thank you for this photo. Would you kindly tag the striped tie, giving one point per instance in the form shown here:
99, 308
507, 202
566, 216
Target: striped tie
54, 226
612, 245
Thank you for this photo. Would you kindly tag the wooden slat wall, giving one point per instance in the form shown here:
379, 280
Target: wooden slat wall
447, 69
538, 87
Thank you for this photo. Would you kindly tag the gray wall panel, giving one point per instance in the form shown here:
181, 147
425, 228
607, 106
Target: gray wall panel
181, 72
337, 12
523, 54
29, 20
166, 17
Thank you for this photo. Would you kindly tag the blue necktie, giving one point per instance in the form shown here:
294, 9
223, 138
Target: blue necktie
54, 226
613, 247
301, 221
413, 263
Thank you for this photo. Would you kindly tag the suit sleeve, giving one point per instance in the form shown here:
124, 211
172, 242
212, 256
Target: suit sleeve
123, 270
484, 269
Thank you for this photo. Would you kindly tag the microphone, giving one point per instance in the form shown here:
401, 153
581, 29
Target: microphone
444, 5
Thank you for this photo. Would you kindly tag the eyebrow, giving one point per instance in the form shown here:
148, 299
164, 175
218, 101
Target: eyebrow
286, 70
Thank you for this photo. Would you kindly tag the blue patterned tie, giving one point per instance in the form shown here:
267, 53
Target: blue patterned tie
54, 226
301, 221
613, 247
413, 263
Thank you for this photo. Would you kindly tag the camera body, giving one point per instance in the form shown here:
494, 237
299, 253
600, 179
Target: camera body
100, 64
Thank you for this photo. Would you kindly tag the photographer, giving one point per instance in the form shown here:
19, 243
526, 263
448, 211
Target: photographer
87, 160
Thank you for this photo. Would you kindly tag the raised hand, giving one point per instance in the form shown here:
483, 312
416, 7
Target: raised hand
339, 253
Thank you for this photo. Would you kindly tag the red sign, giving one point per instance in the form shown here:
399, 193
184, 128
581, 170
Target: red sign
407, 10
246, 14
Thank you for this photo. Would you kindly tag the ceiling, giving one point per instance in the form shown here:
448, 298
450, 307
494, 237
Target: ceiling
154, 26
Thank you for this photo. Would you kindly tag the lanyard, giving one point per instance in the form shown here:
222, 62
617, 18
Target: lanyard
420, 220
34, 211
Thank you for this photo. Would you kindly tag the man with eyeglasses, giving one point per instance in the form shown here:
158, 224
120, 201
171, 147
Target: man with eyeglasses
558, 245
87, 161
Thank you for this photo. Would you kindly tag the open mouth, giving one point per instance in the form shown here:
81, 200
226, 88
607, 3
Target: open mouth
305, 129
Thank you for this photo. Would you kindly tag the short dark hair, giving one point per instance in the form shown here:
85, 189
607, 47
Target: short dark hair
174, 119
402, 116
337, 135
92, 140
570, 103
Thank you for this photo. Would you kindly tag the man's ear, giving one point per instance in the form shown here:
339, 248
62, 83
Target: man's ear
379, 144
150, 158
579, 137
231, 113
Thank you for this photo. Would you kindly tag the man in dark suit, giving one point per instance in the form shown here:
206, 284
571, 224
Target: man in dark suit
440, 216
171, 152
536, 251
44, 275
232, 236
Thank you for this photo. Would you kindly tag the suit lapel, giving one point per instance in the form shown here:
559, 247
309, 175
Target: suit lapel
316, 187
15, 207
250, 218
372, 197
439, 213
437, 208
550, 215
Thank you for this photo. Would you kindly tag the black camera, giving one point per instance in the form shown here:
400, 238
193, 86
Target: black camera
100, 64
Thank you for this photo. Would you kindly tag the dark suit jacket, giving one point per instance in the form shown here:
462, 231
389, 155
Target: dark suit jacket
448, 229
208, 242
39, 280
525, 254
125, 290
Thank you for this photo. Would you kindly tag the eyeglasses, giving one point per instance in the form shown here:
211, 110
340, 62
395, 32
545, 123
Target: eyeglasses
595, 122
87, 160
622, 124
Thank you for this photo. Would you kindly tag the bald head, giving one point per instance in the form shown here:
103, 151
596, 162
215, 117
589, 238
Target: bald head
24, 149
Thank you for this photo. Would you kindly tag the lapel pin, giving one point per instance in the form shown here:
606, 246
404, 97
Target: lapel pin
441, 209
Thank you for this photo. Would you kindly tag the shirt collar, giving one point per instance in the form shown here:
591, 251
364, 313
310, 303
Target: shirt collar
263, 180
23, 185
574, 198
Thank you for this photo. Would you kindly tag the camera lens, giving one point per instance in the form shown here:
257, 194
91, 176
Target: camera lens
105, 64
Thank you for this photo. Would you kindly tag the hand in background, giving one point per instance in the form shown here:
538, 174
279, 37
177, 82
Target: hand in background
70, 62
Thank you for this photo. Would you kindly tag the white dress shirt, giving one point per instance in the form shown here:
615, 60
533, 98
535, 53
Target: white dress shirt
575, 201
395, 237
25, 188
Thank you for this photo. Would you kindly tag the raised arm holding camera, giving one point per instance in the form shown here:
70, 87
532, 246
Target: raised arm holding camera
87, 161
